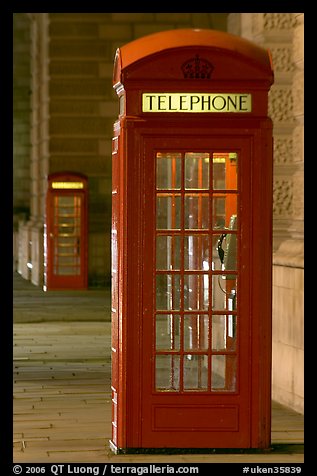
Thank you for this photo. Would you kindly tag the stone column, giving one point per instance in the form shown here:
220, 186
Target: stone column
21, 138
297, 226
288, 260
39, 141
282, 33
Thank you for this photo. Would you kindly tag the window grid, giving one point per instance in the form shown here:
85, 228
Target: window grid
67, 235
193, 367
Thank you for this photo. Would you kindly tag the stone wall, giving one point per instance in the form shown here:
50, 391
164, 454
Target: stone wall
73, 111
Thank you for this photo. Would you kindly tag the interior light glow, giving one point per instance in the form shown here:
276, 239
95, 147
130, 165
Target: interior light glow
67, 185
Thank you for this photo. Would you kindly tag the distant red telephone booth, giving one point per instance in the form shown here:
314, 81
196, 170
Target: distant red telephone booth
66, 235
191, 243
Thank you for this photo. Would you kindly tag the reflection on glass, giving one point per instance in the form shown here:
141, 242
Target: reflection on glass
168, 252
196, 292
167, 292
168, 170
196, 332
168, 212
223, 332
196, 170
167, 332
167, 369
196, 211
223, 372
224, 207
225, 170
224, 293
196, 252
196, 372
230, 252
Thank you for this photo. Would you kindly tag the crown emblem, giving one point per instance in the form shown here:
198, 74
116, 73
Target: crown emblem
197, 68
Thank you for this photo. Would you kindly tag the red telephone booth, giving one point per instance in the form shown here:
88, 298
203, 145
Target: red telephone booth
191, 243
66, 234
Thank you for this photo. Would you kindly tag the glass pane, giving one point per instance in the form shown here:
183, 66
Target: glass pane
62, 271
66, 260
225, 170
168, 209
224, 332
67, 244
168, 250
230, 253
167, 372
167, 332
66, 201
196, 372
67, 229
196, 170
168, 170
196, 252
223, 372
224, 211
224, 293
167, 292
196, 295
196, 332
196, 211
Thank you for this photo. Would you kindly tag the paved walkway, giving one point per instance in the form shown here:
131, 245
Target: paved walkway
62, 405
32, 304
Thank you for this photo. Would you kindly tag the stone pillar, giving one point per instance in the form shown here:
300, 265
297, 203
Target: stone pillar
297, 226
288, 260
24, 259
21, 134
39, 141
282, 33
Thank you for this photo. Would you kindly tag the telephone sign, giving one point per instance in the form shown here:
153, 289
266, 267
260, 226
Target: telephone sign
196, 102
191, 243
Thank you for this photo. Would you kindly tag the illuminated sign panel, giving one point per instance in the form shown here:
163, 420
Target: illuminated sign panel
67, 185
196, 102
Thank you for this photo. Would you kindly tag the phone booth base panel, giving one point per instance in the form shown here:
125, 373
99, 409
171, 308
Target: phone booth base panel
194, 451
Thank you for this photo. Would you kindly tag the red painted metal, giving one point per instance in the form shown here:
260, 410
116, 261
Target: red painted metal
66, 232
191, 359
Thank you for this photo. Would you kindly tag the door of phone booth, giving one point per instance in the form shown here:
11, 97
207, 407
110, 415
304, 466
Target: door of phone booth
191, 243
66, 234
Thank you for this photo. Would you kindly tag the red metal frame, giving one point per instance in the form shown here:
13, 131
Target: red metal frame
143, 417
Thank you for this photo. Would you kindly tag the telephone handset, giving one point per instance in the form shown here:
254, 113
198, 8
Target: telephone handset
228, 259
221, 252
228, 256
